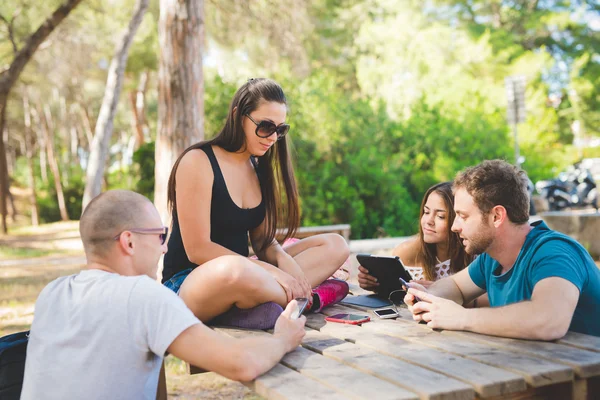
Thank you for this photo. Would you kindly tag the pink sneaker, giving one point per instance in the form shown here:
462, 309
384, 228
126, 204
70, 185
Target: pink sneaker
327, 293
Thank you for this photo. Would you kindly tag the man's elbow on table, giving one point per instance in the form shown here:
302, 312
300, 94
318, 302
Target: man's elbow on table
555, 300
244, 368
551, 328
253, 360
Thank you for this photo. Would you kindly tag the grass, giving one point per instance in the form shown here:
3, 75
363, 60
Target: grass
209, 385
27, 229
13, 253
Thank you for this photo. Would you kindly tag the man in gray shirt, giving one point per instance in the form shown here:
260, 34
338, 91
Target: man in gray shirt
103, 333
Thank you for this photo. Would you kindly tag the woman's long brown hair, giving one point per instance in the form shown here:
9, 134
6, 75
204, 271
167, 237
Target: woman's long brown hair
427, 256
275, 167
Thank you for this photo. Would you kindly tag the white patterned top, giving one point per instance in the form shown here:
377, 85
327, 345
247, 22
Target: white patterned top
442, 270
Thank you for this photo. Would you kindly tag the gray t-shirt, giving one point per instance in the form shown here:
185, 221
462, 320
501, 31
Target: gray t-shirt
99, 335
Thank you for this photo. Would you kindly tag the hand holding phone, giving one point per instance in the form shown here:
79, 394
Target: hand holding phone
290, 330
406, 286
301, 303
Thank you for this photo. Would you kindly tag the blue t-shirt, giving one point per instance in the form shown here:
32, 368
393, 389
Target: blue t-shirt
545, 254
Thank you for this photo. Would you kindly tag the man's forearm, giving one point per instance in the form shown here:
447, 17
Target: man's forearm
522, 320
447, 289
261, 354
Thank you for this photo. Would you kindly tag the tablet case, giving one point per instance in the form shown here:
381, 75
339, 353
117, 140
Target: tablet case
367, 300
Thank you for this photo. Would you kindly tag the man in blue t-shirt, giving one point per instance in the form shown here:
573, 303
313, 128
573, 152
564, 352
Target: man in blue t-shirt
540, 283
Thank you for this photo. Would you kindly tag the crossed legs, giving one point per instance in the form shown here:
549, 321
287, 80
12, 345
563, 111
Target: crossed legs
218, 284
212, 288
319, 256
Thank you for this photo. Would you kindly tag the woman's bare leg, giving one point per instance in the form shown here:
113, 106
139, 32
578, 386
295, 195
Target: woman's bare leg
212, 288
319, 256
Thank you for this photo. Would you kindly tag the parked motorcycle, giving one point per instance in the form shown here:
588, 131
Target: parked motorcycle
572, 189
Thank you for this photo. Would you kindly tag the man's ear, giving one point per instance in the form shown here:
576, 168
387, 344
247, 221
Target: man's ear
126, 243
498, 215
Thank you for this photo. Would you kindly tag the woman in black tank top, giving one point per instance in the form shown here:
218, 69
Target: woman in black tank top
236, 186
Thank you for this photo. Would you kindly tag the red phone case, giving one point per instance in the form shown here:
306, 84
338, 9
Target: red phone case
346, 321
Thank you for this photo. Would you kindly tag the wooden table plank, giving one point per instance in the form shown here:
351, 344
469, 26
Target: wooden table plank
343, 377
428, 384
487, 381
536, 371
585, 363
282, 383
340, 377
586, 342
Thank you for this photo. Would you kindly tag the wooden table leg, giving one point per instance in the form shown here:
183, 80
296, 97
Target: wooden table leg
161, 392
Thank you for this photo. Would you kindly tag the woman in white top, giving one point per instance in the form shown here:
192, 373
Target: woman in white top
436, 252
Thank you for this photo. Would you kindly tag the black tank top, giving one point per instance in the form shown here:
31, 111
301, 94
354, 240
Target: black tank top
229, 224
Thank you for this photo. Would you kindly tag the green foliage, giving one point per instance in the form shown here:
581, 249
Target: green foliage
73, 185
73, 192
217, 99
143, 159
386, 97
356, 165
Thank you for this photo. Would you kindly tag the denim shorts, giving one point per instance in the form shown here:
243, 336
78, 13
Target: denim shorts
174, 283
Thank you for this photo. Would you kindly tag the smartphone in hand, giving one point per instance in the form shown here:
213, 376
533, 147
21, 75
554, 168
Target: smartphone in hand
302, 303
405, 286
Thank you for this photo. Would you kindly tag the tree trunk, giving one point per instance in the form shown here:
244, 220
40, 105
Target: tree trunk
180, 88
137, 98
87, 124
74, 158
104, 125
43, 158
47, 131
9, 76
3, 167
11, 157
29, 153
66, 138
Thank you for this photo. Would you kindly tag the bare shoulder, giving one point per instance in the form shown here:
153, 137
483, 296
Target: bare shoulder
408, 250
195, 163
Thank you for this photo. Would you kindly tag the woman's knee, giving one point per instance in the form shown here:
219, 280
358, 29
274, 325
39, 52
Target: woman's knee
337, 246
233, 271
220, 272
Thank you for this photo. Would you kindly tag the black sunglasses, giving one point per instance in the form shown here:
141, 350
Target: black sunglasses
161, 232
264, 129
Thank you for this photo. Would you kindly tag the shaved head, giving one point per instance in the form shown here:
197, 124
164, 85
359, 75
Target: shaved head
111, 213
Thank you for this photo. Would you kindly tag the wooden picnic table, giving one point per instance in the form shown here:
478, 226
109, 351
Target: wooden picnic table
401, 359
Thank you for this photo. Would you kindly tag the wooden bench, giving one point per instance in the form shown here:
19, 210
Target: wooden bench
306, 231
400, 359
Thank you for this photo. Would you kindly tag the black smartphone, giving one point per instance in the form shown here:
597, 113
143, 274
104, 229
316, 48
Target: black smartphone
302, 303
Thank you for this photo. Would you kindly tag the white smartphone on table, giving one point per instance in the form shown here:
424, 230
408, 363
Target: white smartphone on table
386, 313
